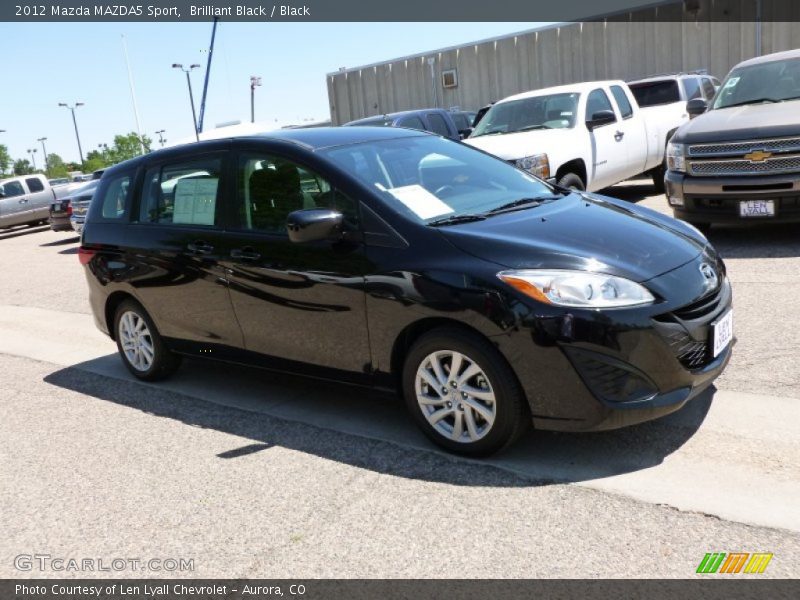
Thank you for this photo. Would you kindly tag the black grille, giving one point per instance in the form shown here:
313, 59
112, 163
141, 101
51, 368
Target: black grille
700, 308
691, 354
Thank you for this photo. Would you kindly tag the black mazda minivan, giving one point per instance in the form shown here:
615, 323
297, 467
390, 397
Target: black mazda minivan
395, 258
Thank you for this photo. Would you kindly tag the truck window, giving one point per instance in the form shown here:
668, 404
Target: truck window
12, 188
597, 101
708, 89
411, 122
653, 93
621, 97
438, 124
34, 184
691, 85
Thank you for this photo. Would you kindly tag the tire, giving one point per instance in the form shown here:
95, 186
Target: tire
131, 319
494, 425
658, 179
572, 181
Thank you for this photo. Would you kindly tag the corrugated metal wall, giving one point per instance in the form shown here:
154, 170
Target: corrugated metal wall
495, 69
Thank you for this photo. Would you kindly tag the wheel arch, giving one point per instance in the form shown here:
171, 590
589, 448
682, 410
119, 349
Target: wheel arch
112, 303
576, 166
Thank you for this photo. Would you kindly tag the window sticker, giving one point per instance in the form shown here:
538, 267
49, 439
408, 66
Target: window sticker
420, 201
732, 82
195, 201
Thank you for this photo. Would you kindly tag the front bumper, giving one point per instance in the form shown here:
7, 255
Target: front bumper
716, 199
598, 370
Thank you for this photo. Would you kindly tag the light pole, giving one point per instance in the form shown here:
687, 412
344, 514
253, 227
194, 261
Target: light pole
75, 123
32, 152
254, 81
103, 151
44, 152
191, 95
161, 139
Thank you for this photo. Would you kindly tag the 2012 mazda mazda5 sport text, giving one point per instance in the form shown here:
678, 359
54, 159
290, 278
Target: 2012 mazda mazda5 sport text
396, 258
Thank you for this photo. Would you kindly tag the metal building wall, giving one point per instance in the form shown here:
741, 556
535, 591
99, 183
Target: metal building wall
631, 46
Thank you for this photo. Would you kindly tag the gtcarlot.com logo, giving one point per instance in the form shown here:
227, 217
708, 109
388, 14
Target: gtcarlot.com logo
731, 563
47, 562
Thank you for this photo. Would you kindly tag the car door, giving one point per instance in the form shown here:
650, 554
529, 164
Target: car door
608, 153
174, 246
438, 125
634, 133
14, 208
299, 304
39, 197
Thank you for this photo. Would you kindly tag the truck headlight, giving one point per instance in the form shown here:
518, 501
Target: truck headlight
536, 164
676, 157
577, 289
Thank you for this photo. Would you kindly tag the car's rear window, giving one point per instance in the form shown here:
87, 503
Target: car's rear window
653, 93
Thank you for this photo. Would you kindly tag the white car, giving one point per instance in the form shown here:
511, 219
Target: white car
586, 136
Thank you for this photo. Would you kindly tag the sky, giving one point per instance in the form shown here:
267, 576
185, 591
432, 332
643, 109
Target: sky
48, 63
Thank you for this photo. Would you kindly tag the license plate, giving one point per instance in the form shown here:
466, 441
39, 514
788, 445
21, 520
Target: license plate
722, 332
757, 208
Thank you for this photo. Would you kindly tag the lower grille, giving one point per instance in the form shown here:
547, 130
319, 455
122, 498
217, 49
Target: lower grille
609, 379
690, 353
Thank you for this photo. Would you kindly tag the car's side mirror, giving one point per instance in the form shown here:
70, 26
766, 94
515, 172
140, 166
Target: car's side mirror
600, 118
696, 107
314, 224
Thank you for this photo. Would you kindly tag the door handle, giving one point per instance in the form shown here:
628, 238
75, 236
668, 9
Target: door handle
200, 247
23, 201
246, 253
619, 135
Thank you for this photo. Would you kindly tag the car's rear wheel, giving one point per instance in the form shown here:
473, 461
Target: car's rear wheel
462, 393
572, 181
140, 345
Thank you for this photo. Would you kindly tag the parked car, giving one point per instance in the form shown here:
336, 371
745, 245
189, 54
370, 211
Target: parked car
739, 160
674, 90
586, 136
68, 213
463, 120
481, 113
24, 200
58, 181
435, 120
395, 258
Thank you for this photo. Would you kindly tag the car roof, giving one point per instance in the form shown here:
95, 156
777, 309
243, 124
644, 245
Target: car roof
769, 58
312, 139
581, 88
397, 115
668, 77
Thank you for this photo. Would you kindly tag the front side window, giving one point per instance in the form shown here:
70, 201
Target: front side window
116, 197
553, 111
596, 102
34, 184
12, 188
181, 193
438, 125
427, 178
691, 87
708, 89
624, 104
776, 81
412, 122
269, 188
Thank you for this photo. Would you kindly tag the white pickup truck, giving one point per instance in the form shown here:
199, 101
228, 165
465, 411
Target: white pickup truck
586, 136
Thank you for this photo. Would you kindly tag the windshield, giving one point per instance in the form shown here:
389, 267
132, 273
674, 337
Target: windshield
554, 111
654, 93
774, 81
428, 177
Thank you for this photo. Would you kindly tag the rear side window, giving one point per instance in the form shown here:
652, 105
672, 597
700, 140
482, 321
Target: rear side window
13, 188
691, 85
438, 124
411, 123
34, 184
597, 101
181, 193
621, 97
653, 93
116, 197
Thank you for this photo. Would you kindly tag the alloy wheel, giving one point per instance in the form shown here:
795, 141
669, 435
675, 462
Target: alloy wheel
136, 341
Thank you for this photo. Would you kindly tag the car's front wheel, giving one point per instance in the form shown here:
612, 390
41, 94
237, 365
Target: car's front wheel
140, 345
462, 393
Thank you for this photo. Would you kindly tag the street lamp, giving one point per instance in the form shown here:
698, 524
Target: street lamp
44, 152
191, 95
32, 152
75, 123
161, 139
254, 81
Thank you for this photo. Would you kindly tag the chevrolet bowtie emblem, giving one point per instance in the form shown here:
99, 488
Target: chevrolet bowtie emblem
758, 156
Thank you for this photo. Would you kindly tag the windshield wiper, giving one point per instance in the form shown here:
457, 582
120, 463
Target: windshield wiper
455, 219
752, 101
531, 128
520, 204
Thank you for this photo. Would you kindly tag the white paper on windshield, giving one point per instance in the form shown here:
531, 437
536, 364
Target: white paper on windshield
195, 201
423, 204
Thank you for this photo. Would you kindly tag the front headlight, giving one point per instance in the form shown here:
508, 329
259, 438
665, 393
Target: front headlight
676, 157
578, 288
537, 164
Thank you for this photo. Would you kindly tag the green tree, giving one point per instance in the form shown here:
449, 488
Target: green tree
22, 166
55, 166
5, 160
93, 163
127, 146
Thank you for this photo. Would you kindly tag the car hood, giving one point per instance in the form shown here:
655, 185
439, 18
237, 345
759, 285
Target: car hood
585, 232
751, 121
513, 146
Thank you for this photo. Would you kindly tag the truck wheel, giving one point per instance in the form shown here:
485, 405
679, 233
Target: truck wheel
463, 394
572, 182
658, 178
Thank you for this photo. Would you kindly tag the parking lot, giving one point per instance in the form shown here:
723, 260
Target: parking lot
252, 474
